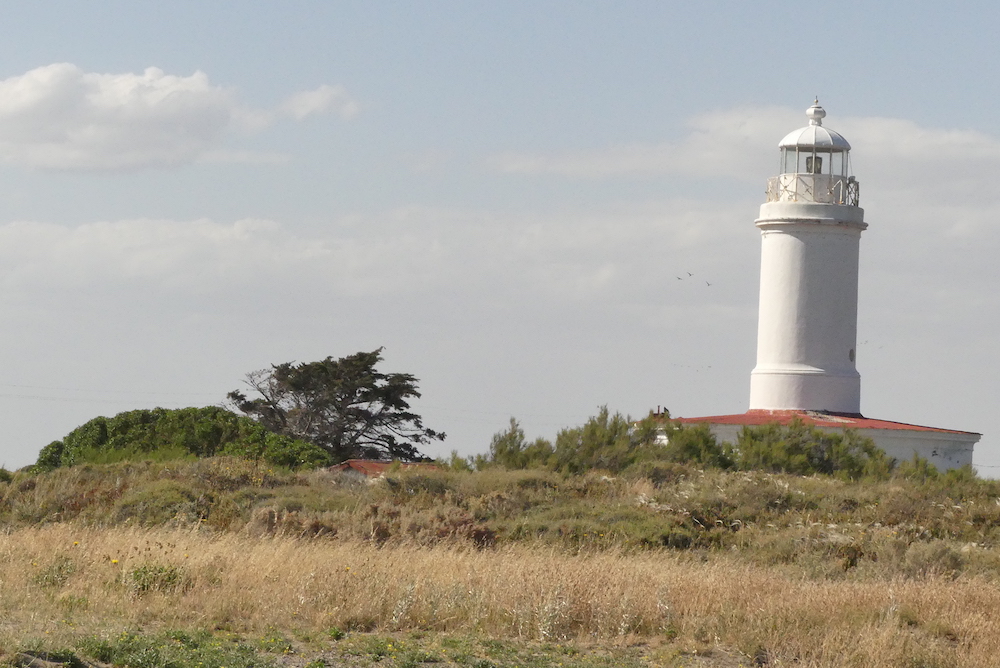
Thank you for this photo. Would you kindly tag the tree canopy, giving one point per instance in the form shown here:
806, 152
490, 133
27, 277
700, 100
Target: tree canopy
344, 406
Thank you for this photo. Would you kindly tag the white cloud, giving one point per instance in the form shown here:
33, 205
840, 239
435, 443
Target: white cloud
222, 156
409, 250
897, 154
726, 143
60, 117
323, 100
203, 256
189, 255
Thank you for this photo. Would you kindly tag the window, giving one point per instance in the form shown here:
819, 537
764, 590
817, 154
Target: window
788, 158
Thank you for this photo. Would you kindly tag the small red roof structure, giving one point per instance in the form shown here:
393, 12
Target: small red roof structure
754, 418
374, 468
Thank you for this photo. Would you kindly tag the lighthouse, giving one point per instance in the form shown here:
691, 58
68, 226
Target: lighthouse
810, 229
807, 324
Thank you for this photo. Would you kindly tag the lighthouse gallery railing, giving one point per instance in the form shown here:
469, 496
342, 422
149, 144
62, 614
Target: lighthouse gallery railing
821, 188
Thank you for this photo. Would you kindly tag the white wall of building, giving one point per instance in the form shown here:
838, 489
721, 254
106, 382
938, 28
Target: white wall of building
945, 450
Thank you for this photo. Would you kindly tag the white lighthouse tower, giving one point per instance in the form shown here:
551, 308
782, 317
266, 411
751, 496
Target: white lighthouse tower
807, 325
810, 230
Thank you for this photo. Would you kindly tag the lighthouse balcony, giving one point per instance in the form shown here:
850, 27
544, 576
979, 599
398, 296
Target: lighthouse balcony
818, 188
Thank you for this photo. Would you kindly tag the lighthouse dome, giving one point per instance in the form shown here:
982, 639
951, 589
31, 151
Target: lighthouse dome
815, 165
814, 135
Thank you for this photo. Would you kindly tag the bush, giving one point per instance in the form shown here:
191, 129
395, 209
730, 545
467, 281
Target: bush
510, 450
279, 450
154, 503
162, 434
606, 442
697, 445
804, 450
918, 469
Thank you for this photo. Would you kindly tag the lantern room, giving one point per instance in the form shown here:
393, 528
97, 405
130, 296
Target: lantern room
815, 165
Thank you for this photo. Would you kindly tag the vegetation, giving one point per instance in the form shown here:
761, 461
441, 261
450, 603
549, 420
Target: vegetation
251, 567
760, 517
163, 546
165, 435
344, 406
615, 443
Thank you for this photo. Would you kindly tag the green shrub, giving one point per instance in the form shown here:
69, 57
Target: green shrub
918, 469
160, 434
154, 503
278, 450
50, 457
166, 453
697, 445
456, 462
804, 450
606, 442
510, 450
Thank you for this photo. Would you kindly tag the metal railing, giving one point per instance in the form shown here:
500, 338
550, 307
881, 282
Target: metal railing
820, 188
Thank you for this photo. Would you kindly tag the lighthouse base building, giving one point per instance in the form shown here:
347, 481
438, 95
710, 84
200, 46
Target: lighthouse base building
811, 226
944, 448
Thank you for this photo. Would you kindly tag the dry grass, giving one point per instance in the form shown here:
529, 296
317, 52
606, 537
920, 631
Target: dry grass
684, 567
60, 581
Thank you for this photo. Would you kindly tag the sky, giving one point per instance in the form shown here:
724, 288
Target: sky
536, 208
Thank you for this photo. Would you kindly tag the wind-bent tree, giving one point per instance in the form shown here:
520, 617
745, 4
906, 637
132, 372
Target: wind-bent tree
345, 406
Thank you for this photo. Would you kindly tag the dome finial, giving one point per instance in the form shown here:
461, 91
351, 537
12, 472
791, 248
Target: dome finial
815, 113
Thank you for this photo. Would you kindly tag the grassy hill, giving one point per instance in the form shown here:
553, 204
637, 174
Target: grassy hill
227, 562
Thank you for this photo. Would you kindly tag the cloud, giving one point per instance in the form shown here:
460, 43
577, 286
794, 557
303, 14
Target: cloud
406, 251
898, 154
320, 101
222, 156
60, 117
181, 255
620, 248
733, 143
205, 257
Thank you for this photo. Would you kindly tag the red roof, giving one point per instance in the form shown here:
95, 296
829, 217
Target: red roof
755, 418
373, 468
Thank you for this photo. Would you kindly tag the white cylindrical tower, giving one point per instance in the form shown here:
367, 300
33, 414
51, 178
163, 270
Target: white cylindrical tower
810, 229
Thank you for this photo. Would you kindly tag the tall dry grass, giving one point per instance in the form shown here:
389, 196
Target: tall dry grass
59, 581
